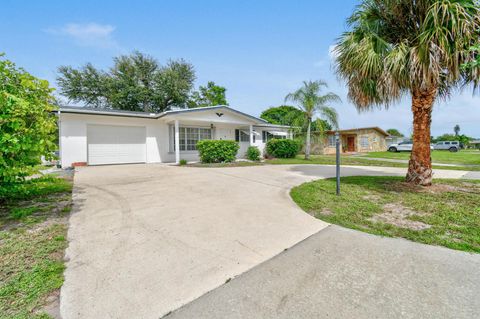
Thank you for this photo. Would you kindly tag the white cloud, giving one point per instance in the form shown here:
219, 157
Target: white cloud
88, 34
331, 52
328, 58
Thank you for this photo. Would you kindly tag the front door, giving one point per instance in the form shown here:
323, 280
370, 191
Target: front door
351, 144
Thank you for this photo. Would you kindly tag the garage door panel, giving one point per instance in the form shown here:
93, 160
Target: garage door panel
116, 144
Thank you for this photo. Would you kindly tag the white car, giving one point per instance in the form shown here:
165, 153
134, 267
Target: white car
452, 146
405, 146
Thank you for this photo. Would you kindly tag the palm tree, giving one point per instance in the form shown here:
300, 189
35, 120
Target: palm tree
310, 102
456, 129
415, 47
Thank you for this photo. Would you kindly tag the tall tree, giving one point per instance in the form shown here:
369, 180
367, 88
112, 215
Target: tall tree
136, 82
310, 101
292, 116
456, 129
283, 115
416, 47
209, 95
394, 132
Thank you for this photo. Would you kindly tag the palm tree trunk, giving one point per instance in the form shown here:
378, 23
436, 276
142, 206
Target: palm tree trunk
307, 142
420, 164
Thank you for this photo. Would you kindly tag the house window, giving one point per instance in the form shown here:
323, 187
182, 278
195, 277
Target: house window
241, 136
267, 136
364, 142
189, 136
331, 141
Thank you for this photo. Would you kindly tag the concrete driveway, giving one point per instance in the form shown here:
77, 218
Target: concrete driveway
146, 239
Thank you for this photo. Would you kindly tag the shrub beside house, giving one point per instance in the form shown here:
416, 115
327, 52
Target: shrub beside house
283, 148
217, 151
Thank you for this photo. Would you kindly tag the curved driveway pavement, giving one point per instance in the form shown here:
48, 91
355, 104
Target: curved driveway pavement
146, 239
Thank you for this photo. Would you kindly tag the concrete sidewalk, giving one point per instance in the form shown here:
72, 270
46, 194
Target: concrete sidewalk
342, 273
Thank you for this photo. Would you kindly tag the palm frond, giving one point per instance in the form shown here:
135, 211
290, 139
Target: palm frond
309, 99
330, 115
395, 46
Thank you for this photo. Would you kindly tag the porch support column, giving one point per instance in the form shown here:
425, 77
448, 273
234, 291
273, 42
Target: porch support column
177, 142
251, 134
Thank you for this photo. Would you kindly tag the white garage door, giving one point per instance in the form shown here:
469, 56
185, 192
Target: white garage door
116, 144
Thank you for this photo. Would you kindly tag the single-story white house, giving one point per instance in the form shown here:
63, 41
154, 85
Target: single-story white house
89, 136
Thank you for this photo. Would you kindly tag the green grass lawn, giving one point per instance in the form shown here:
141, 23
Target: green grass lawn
33, 229
354, 161
446, 214
462, 157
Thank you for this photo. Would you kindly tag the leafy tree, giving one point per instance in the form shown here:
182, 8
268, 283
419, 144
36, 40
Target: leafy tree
464, 139
473, 64
27, 124
209, 95
320, 125
136, 82
284, 115
394, 132
310, 102
456, 129
450, 137
292, 116
399, 47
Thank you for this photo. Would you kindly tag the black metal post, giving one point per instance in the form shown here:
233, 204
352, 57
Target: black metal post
337, 158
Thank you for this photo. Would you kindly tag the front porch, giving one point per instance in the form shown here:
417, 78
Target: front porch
186, 133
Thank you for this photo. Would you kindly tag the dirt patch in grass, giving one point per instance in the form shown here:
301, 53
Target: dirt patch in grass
436, 188
371, 197
443, 188
33, 213
398, 215
324, 211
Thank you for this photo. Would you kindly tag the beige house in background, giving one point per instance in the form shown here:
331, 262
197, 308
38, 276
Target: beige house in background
358, 140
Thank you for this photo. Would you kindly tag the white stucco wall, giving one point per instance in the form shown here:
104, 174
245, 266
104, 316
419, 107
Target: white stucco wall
73, 133
73, 136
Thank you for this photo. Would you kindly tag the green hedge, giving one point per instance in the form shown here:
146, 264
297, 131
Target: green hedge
283, 148
253, 153
217, 151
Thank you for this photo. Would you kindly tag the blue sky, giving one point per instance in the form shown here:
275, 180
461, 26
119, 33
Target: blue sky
258, 50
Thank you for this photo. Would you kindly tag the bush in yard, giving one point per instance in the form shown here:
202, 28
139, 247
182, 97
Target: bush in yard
283, 148
253, 153
217, 151
27, 125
